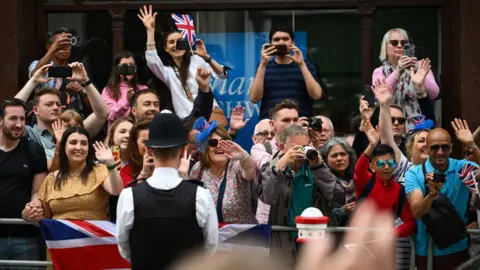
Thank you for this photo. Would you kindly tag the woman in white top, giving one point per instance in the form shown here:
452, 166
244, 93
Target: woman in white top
179, 71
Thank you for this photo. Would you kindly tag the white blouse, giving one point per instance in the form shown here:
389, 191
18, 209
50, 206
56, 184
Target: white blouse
182, 105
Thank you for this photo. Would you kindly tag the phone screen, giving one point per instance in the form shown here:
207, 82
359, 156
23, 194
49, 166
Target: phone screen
369, 96
182, 44
116, 152
60, 72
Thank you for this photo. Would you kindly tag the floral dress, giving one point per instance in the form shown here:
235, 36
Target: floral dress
237, 203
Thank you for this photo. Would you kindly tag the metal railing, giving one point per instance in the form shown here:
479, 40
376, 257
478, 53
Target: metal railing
37, 264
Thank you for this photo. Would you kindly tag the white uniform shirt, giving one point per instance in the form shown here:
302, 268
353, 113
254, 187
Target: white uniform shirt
167, 179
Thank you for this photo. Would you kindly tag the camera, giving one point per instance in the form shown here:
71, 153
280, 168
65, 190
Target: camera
310, 152
125, 69
315, 123
409, 50
76, 41
439, 178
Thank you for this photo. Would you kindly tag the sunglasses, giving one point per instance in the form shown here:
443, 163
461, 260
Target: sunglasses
444, 147
395, 42
265, 133
391, 163
401, 120
214, 142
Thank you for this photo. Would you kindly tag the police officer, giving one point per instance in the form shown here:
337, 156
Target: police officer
165, 217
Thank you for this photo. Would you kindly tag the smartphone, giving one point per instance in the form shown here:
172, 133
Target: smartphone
116, 152
281, 49
182, 44
409, 50
368, 95
76, 41
351, 200
59, 72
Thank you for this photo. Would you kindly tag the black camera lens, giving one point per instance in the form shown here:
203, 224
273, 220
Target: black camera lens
315, 123
311, 154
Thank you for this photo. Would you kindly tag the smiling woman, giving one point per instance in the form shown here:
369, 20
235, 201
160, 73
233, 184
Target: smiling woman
80, 188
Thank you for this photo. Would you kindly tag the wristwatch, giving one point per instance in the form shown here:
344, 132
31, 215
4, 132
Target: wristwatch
87, 83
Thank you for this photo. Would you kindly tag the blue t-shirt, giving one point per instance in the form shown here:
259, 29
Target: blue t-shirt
286, 81
453, 189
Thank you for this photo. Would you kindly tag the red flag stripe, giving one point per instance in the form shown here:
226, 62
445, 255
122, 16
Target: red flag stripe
92, 228
99, 257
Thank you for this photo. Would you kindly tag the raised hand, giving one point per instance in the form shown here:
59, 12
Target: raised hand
237, 121
315, 138
74, 86
372, 134
463, 133
103, 153
203, 79
365, 111
59, 128
324, 254
297, 56
184, 165
403, 63
64, 40
40, 76
148, 166
290, 157
267, 53
383, 92
147, 17
418, 78
79, 73
232, 150
201, 49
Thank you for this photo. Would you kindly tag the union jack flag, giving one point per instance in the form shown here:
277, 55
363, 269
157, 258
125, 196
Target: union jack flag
92, 245
184, 23
467, 175
82, 244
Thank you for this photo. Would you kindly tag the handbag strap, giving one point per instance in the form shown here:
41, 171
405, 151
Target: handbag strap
424, 169
221, 192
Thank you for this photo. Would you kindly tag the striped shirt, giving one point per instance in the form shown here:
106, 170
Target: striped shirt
285, 81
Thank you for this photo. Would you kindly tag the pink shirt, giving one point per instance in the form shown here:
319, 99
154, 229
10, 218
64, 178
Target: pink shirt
120, 107
431, 86
260, 155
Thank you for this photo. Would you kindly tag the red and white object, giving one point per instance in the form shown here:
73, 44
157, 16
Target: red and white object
311, 225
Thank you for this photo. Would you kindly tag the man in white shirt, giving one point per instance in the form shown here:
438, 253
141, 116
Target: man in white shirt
166, 217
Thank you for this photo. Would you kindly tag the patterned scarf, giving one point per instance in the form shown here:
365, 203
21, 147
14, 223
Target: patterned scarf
404, 94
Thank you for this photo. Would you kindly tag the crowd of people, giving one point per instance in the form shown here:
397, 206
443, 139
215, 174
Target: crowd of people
174, 175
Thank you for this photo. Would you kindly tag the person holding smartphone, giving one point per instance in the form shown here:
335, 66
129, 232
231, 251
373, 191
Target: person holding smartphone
72, 93
178, 72
410, 79
283, 73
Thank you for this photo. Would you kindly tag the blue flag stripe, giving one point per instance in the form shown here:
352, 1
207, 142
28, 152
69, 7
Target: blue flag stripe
55, 231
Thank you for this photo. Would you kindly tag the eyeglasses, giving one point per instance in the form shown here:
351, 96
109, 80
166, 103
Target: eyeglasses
395, 42
444, 147
214, 142
265, 133
391, 163
401, 120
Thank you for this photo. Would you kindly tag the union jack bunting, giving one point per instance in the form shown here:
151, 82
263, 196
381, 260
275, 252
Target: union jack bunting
184, 23
467, 175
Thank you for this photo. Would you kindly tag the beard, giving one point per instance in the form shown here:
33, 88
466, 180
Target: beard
9, 134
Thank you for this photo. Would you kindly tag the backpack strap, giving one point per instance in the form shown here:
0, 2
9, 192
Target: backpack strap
427, 189
368, 188
402, 198
268, 147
